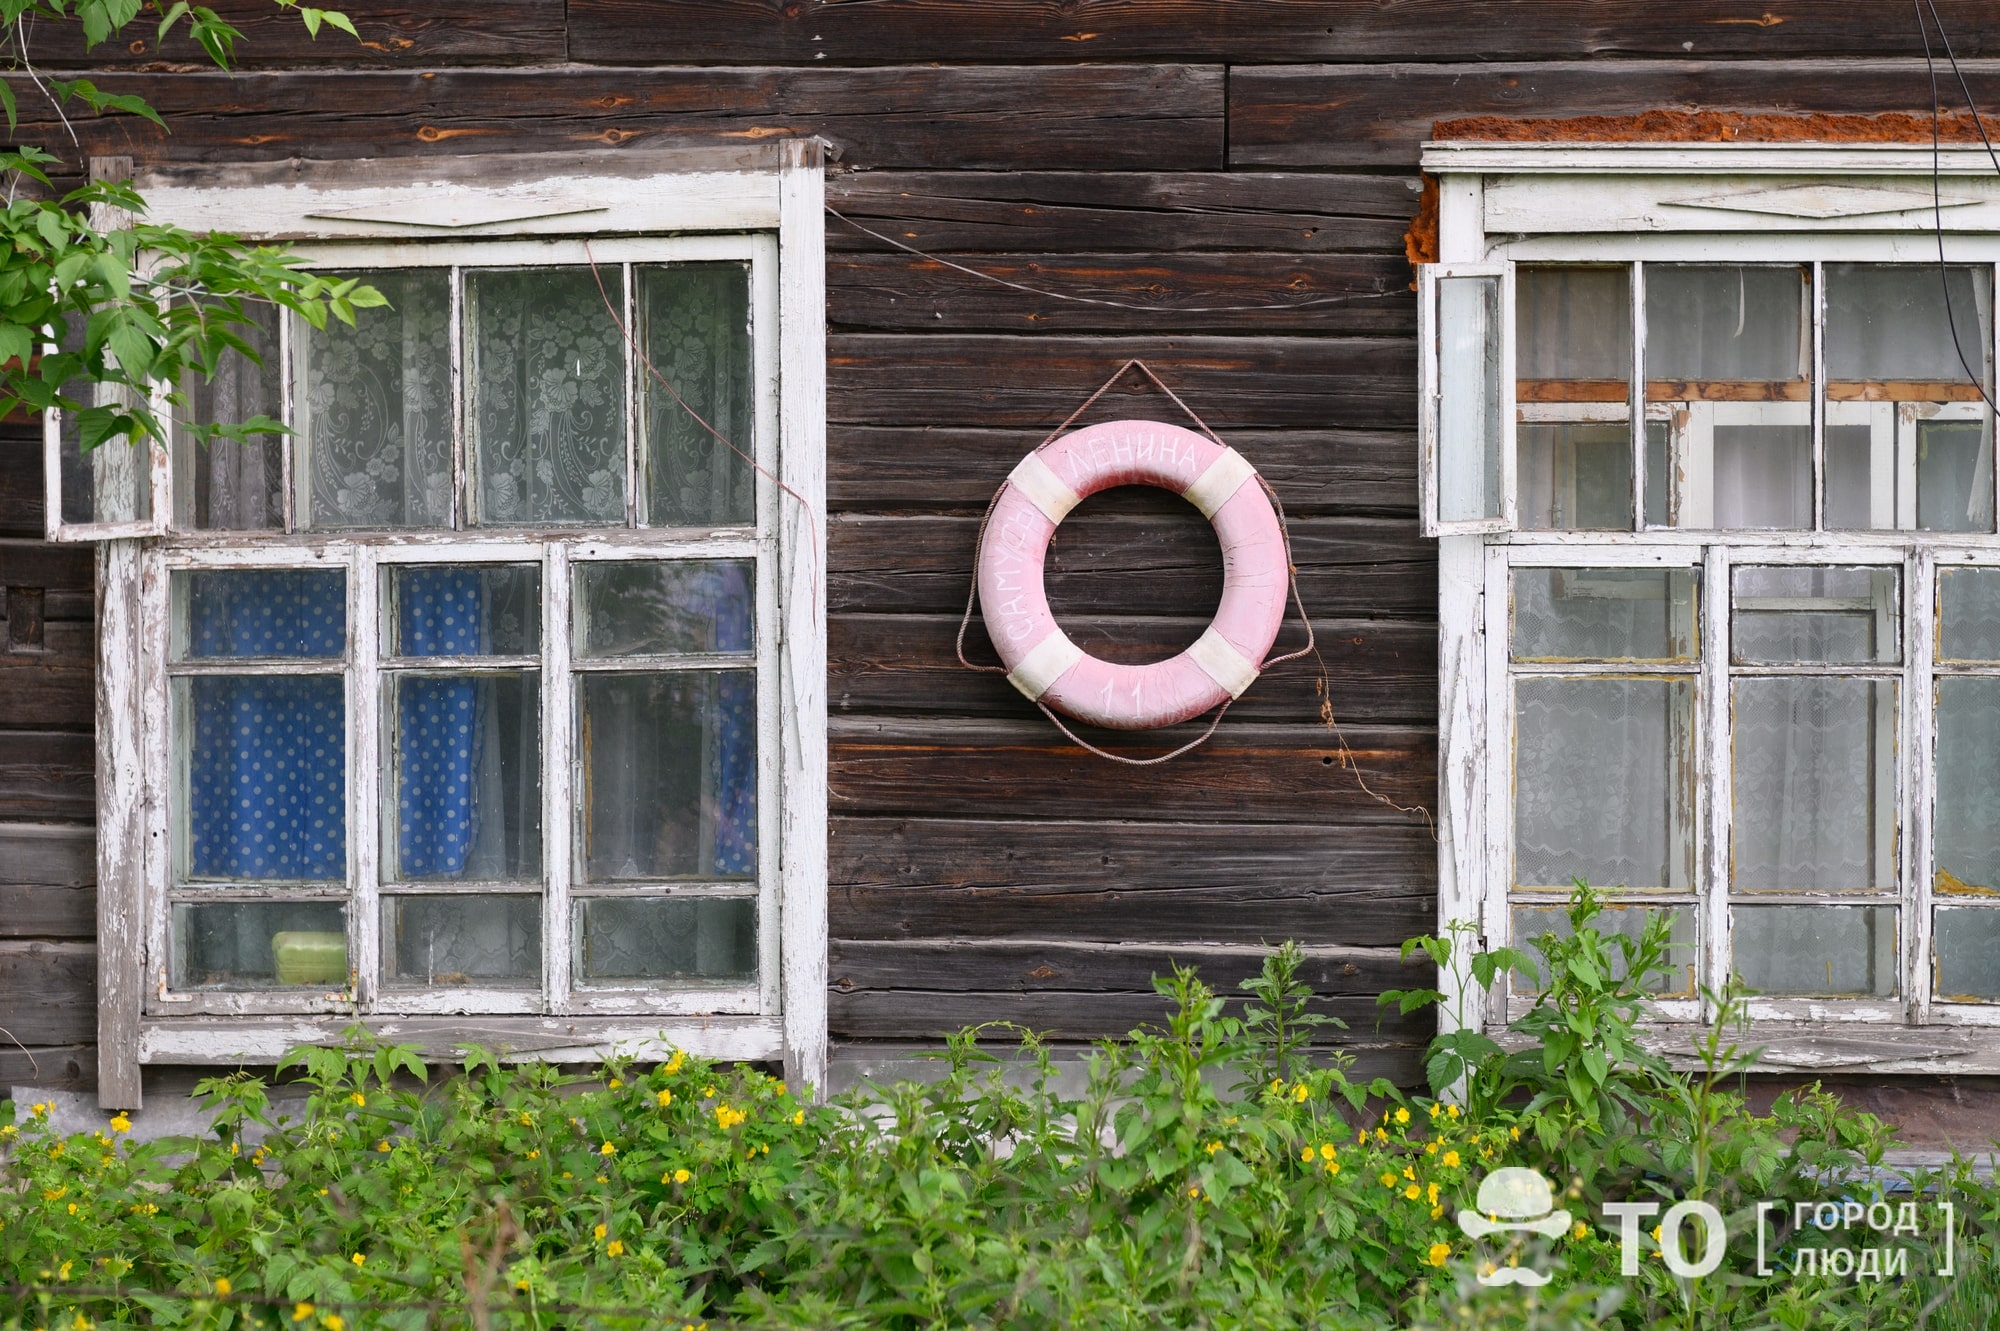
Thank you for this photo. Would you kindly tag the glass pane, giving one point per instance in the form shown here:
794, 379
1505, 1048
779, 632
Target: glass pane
266, 764
1906, 332
1967, 955
1575, 325
1741, 329
1969, 614
453, 941
373, 408
1860, 477
1531, 922
1575, 476
1811, 613
1966, 831
1763, 476
1659, 473
637, 608
669, 774
235, 613
1604, 614
465, 610
692, 940
1468, 352
235, 486
260, 945
1814, 802
1817, 951
547, 381
1602, 786
1954, 476
695, 320
467, 751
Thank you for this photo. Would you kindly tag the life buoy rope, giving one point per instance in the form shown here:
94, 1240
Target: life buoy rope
1042, 662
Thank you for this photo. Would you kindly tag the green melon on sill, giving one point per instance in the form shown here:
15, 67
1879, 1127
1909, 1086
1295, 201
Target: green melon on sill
305, 956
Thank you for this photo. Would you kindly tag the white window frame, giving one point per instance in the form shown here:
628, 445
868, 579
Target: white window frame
763, 206
1504, 204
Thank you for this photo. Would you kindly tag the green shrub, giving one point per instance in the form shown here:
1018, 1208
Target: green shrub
1216, 1172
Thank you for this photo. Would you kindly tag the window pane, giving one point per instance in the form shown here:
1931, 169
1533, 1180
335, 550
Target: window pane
1814, 803
1724, 324
1810, 613
1969, 614
1659, 473
374, 411
1966, 830
1894, 327
465, 610
112, 482
236, 613
1469, 431
695, 319
235, 486
1531, 922
1967, 955
1604, 614
1602, 787
1819, 951
1954, 476
696, 940
638, 608
1574, 324
260, 945
547, 379
459, 940
266, 764
1763, 476
1575, 476
467, 751
1860, 477
670, 774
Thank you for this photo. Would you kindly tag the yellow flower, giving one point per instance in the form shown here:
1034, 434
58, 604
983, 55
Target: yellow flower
1361, 1137
62, 1272
1212, 1147
1381, 1135
599, 1233
707, 1092
521, 1285
1277, 1085
1328, 1151
333, 1322
682, 1176
674, 1063
567, 1174
301, 1311
1436, 1211
120, 1123
1451, 1159
1413, 1192
614, 1248
1402, 1114
1332, 1168
1434, 1109
1299, 1093
1195, 1193
1580, 1230
602, 1179
322, 1192
614, 1083
727, 1118
222, 1286
799, 1117
1388, 1179
358, 1099
72, 1208
1452, 1110
1431, 1148
1656, 1233
1306, 1155
80, 1322
383, 1146
665, 1097
40, 1109
1431, 1194
1409, 1172
8, 1130
535, 1155
359, 1259
607, 1149
1438, 1254
527, 1120
1516, 1132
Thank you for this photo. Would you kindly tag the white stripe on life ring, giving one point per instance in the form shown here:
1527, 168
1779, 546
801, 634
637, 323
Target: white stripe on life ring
1046, 490
1216, 485
1219, 661
1049, 661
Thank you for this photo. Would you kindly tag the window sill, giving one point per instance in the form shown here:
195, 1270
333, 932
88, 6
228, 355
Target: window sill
227, 1041
1830, 1047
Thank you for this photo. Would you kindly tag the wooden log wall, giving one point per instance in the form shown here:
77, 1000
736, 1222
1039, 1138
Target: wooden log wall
1236, 178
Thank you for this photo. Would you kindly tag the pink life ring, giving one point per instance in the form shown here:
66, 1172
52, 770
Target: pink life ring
1041, 660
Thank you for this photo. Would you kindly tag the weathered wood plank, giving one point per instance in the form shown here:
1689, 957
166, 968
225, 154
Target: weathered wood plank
633, 31
438, 32
1026, 769
1235, 383
1110, 117
53, 568
1130, 563
46, 691
20, 479
47, 775
1374, 670
48, 912
857, 1063
943, 467
1355, 885
48, 993
889, 1014
1105, 211
48, 877
70, 1067
1347, 116
1335, 295
1030, 966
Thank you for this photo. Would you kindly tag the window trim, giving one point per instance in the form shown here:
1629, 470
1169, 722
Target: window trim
1661, 202
772, 190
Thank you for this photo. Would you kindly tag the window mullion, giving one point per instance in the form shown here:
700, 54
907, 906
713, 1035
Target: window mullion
558, 777
1713, 771
288, 468
634, 515
1816, 306
461, 405
1918, 776
365, 781
1637, 409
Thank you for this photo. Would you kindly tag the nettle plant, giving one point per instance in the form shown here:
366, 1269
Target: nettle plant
1219, 1170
